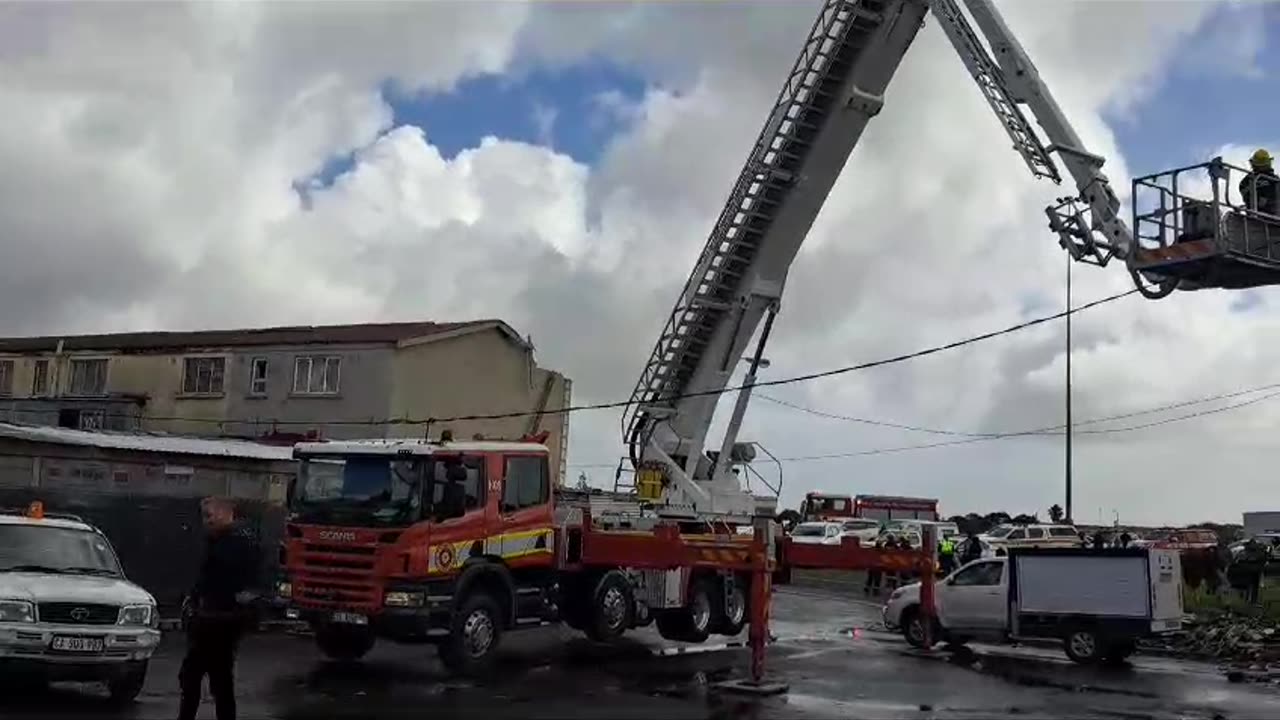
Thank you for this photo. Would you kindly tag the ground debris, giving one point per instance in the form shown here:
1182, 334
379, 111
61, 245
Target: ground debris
1249, 646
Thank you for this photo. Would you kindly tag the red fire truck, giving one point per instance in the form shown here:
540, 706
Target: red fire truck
455, 543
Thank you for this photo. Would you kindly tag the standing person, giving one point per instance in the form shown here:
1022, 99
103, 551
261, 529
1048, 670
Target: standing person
947, 555
972, 549
875, 577
1260, 188
217, 610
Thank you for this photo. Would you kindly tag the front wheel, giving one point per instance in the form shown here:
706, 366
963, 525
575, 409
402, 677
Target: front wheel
474, 635
125, 687
1082, 646
913, 629
344, 645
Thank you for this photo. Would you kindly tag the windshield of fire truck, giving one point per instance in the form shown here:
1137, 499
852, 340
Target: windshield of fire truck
373, 489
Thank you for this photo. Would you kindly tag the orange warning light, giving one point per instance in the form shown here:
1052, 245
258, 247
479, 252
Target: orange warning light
35, 510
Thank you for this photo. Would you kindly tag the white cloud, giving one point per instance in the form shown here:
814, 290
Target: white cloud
150, 183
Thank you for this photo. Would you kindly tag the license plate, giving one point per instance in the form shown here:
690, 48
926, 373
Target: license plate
77, 644
347, 618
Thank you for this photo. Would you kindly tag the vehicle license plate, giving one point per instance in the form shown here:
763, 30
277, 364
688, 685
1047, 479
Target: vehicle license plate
350, 618
63, 643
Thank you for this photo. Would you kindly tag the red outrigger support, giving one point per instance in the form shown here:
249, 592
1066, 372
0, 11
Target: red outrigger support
666, 548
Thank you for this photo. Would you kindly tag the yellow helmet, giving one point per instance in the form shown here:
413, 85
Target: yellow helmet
1260, 158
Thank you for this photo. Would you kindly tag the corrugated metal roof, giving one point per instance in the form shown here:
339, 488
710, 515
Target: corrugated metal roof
245, 337
146, 442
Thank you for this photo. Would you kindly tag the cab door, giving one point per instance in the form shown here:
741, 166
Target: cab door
525, 513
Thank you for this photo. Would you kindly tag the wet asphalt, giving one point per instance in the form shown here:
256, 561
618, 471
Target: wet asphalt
837, 659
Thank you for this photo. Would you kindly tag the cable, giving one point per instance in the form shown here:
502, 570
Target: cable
1093, 421
1042, 431
625, 403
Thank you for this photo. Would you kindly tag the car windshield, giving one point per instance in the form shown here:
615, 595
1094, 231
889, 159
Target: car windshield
1001, 531
809, 531
358, 490
46, 548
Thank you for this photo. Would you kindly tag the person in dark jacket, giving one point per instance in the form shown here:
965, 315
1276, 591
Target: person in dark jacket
217, 609
1260, 188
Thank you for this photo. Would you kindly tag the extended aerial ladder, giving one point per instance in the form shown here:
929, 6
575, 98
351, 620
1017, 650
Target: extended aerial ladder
835, 87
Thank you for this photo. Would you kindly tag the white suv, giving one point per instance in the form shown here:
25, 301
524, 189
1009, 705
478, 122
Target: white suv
66, 610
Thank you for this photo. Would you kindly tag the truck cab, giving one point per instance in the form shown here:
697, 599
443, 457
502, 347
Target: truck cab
384, 535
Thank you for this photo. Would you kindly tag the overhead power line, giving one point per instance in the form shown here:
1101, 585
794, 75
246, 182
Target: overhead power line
1048, 430
619, 404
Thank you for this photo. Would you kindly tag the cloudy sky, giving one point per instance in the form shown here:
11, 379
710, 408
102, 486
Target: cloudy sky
559, 165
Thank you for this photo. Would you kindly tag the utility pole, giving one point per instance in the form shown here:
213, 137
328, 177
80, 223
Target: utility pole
1068, 428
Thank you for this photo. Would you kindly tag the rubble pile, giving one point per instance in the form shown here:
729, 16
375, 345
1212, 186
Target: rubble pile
1240, 641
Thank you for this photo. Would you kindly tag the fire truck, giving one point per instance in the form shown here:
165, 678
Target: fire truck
455, 543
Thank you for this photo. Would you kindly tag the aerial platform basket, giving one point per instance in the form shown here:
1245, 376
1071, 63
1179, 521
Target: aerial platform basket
1192, 225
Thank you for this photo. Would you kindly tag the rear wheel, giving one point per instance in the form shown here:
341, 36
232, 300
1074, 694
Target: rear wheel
1083, 647
474, 635
612, 607
691, 623
729, 612
344, 644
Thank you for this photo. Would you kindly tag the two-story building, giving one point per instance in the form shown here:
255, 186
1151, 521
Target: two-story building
286, 383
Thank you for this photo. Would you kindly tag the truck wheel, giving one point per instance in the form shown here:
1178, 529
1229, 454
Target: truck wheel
612, 607
474, 635
1082, 646
342, 644
124, 688
690, 624
729, 613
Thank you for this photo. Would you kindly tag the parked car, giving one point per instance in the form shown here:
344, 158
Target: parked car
865, 529
817, 533
67, 611
1032, 536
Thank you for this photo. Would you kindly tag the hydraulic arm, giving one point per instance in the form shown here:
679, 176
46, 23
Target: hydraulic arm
833, 90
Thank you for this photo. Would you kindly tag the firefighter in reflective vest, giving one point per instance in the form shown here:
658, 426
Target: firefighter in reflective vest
947, 555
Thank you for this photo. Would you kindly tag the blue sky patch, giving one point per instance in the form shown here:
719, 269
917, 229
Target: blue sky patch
1210, 98
559, 108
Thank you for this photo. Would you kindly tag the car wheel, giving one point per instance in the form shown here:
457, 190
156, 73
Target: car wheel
913, 627
729, 610
125, 687
1082, 646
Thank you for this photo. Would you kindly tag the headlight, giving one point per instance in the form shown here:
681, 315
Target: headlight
17, 611
139, 615
403, 599
284, 590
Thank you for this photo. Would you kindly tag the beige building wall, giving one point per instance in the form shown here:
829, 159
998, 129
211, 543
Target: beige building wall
479, 373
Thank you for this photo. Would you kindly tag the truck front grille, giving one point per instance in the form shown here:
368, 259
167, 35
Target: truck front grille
64, 613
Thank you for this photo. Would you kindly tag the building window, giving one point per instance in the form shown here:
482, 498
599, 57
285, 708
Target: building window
40, 378
258, 376
202, 375
6, 377
89, 377
316, 375
92, 419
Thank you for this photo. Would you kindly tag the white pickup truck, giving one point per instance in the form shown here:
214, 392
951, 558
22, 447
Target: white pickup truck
67, 612
1098, 602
